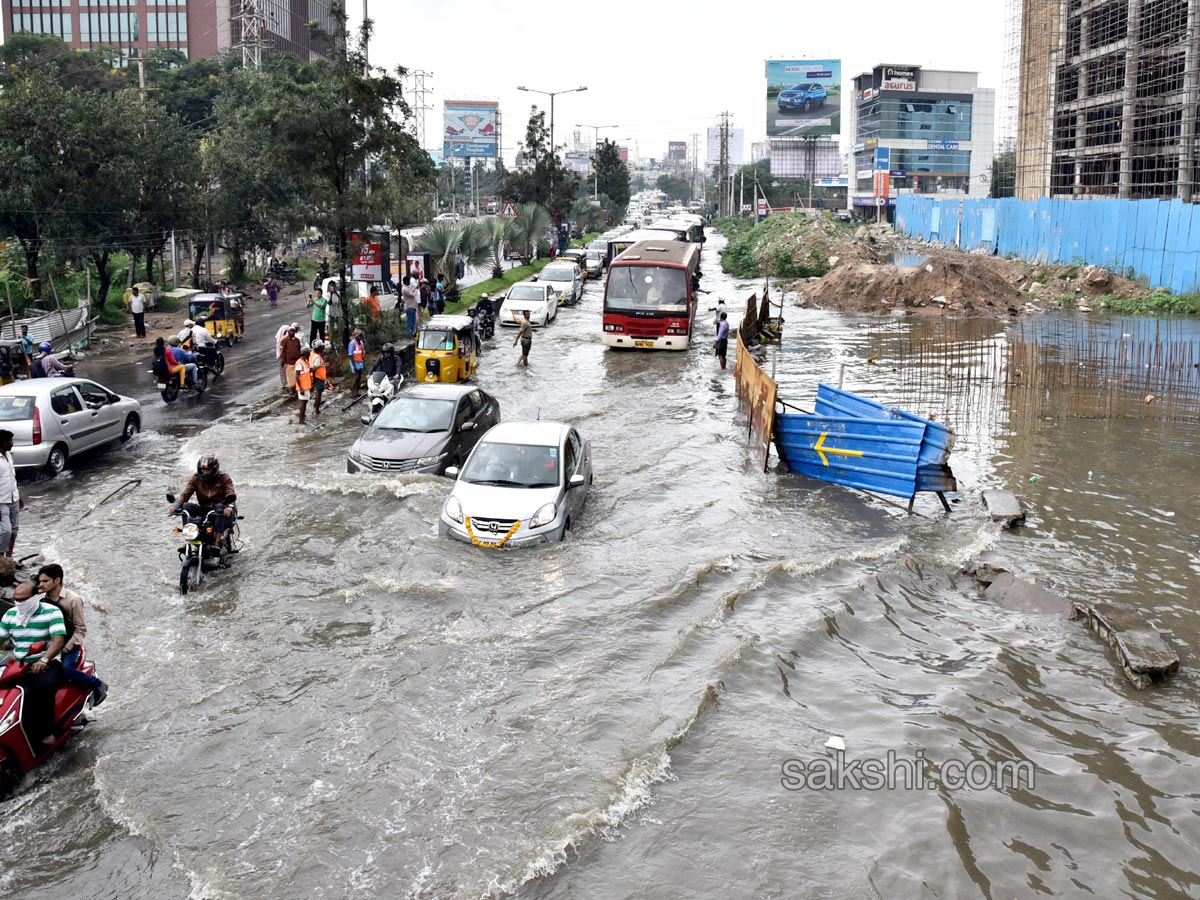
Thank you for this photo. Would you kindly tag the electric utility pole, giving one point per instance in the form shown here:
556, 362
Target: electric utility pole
726, 202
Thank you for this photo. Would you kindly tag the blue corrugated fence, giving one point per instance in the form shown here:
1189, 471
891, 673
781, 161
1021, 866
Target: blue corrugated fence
1159, 240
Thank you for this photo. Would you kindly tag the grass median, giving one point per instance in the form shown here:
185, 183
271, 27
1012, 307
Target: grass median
512, 276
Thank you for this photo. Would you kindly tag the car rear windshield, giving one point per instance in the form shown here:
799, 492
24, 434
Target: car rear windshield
513, 465
527, 292
16, 409
416, 414
549, 274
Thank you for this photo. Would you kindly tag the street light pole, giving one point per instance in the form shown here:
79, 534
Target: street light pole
551, 95
596, 129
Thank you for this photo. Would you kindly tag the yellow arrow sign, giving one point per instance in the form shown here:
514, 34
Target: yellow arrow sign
821, 449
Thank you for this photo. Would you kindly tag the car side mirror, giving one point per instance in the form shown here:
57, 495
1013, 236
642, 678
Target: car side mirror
451, 471
366, 420
576, 481
468, 426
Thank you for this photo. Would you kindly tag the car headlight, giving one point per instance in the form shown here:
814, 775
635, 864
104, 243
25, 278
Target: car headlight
355, 455
431, 460
191, 531
544, 516
454, 510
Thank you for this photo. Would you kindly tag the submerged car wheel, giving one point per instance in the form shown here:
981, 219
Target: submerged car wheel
129, 432
57, 460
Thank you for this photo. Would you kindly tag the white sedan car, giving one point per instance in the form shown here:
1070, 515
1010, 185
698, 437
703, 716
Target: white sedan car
540, 298
566, 278
524, 483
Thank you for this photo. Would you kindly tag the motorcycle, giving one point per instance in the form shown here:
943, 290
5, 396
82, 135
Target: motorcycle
169, 387
19, 755
203, 548
210, 355
380, 391
485, 322
282, 272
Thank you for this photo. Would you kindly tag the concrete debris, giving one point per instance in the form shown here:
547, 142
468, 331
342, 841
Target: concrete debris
1143, 655
1004, 507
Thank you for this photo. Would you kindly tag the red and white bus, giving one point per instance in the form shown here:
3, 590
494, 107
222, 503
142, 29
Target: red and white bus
650, 296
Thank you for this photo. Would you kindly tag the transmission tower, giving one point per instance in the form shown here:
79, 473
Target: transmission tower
252, 30
420, 105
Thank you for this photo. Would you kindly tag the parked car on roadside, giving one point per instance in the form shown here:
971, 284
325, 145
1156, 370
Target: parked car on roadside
802, 96
425, 429
448, 217
55, 419
566, 278
525, 482
540, 298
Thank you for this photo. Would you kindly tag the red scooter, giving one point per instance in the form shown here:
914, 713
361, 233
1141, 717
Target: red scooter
18, 755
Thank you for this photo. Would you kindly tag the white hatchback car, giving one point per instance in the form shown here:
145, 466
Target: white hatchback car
539, 297
524, 483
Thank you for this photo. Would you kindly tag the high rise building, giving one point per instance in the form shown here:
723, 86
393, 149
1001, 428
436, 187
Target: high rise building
198, 28
1108, 98
919, 131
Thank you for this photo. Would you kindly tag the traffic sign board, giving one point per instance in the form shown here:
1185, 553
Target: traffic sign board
509, 211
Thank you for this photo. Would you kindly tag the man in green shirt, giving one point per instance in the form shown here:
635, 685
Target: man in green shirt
29, 622
318, 304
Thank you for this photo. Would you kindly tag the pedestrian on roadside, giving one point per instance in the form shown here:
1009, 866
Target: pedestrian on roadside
720, 311
304, 380
137, 306
333, 309
280, 334
27, 344
439, 296
357, 351
317, 301
721, 345
290, 353
426, 299
525, 336
410, 296
272, 287
371, 302
316, 360
11, 503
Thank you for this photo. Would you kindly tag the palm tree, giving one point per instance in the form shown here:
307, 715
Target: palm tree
449, 242
527, 232
498, 231
585, 216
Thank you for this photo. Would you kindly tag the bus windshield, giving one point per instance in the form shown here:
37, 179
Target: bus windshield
648, 289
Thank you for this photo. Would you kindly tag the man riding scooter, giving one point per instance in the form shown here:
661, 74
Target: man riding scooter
213, 490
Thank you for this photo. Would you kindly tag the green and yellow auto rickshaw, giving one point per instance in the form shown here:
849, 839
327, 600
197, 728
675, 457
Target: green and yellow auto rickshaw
224, 315
446, 349
14, 363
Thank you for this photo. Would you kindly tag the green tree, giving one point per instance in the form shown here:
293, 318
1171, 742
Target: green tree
612, 177
25, 53
1004, 175
675, 187
528, 230
448, 242
546, 182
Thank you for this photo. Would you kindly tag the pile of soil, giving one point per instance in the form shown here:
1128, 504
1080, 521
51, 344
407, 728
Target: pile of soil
947, 283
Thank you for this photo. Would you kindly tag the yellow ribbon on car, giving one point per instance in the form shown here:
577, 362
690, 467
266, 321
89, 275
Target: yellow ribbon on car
495, 545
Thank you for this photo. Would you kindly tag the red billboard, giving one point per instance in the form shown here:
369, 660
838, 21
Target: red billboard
677, 150
624, 154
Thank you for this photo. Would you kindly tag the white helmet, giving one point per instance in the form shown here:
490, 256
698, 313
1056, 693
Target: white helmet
188, 322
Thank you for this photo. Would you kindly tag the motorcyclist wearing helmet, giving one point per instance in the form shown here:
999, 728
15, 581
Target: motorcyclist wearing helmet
46, 364
204, 343
213, 489
388, 363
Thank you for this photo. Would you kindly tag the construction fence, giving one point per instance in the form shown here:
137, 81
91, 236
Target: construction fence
1155, 241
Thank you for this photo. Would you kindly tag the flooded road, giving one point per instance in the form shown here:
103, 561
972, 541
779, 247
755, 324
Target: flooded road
359, 708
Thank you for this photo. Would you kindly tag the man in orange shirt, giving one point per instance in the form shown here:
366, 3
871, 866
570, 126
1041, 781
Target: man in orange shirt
304, 380
371, 302
317, 361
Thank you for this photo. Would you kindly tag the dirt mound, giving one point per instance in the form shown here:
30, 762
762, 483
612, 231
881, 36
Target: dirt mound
956, 284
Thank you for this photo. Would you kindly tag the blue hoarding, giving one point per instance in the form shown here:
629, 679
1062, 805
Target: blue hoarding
471, 128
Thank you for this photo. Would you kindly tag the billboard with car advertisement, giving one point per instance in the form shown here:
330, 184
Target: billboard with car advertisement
471, 128
804, 97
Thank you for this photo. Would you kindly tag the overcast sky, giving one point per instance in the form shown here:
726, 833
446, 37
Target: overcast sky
659, 70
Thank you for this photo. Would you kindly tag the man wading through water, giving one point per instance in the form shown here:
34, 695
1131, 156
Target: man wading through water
525, 336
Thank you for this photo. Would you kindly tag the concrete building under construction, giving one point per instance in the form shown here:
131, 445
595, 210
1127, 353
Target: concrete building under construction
1107, 96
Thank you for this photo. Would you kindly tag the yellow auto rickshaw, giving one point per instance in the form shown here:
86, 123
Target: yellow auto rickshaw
14, 363
446, 349
224, 315
577, 256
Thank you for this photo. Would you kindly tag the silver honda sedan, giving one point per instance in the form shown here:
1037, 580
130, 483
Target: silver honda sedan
54, 419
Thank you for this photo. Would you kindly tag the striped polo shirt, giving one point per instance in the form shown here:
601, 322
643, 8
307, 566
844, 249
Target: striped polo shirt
46, 623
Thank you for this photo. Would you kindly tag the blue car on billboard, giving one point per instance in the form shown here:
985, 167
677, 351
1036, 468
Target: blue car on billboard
802, 96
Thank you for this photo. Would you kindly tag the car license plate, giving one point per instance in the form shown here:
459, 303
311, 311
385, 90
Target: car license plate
162, 386
643, 343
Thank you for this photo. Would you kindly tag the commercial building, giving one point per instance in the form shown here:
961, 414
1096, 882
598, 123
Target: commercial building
198, 28
919, 131
737, 147
1108, 98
